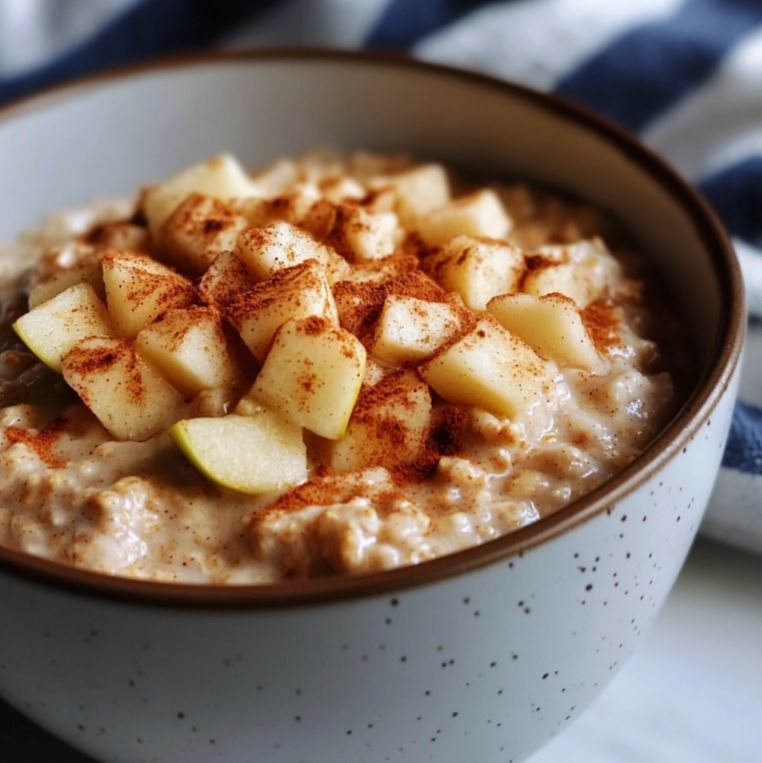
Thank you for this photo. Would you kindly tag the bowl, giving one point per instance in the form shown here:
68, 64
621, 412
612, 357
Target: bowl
481, 655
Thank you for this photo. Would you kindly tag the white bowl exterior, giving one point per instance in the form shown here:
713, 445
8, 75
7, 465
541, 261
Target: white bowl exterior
484, 666
481, 666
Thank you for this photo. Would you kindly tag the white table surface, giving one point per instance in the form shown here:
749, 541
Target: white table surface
692, 693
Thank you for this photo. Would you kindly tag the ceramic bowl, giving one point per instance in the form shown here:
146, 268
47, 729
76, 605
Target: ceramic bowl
481, 655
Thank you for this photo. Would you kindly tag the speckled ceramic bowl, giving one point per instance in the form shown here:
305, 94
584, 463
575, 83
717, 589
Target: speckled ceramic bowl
479, 656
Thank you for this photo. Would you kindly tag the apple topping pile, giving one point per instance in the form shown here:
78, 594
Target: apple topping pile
322, 325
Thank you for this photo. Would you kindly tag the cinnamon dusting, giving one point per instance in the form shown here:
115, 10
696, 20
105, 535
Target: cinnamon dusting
41, 441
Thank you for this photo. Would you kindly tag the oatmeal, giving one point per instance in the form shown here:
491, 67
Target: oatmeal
335, 365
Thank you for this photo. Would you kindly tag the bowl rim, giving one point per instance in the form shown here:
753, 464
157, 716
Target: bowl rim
673, 438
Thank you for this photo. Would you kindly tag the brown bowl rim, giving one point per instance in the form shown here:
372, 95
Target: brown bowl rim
674, 437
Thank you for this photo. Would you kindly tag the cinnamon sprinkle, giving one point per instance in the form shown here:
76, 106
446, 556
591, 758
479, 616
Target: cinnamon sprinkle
602, 323
42, 441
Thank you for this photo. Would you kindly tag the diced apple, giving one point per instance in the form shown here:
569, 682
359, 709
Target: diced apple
296, 292
278, 245
584, 271
277, 177
550, 325
360, 304
312, 375
370, 236
54, 327
87, 270
291, 207
411, 329
388, 426
226, 278
139, 290
120, 235
197, 231
353, 231
480, 214
477, 268
420, 190
563, 278
221, 177
375, 271
188, 345
127, 394
489, 368
340, 189
251, 454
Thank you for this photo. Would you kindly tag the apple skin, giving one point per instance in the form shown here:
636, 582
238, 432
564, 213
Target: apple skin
53, 328
256, 453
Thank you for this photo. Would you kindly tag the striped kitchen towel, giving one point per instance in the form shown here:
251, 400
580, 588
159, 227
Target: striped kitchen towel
686, 75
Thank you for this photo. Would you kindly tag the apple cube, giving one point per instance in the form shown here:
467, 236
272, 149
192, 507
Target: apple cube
312, 375
251, 454
279, 245
360, 304
197, 231
480, 214
291, 207
353, 231
388, 426
139, 290
489, 368
276, 178
338, 190
369, 236
51, 329
127, 394
226, 278
221, 177
86, 270
375, 271
420, 190
411, 329
550, 325
584, 271
120, 235
477, 269
188, 345
565, 278
297, 292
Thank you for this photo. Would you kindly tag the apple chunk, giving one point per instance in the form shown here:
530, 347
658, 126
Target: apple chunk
221, 177
478, 214
551, 325
278, 245
189, 347
128, 395
197, 231
296, 292
252, 454
419, 190
86, 268
312, 375
412, 329
226, 278
489, 368
55, 326
477, 269
139, 290
388, 426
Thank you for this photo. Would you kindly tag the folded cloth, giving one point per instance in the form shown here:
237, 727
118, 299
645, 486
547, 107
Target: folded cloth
684, 74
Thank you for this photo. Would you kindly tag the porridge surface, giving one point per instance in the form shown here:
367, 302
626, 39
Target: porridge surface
423, 471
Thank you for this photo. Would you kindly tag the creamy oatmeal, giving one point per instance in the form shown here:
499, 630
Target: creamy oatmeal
331, 366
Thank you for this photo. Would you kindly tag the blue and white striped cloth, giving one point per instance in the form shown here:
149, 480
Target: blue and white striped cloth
686, 75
